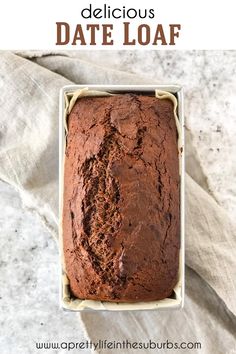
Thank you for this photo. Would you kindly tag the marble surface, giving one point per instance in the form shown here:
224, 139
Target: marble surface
29, 256
29, 283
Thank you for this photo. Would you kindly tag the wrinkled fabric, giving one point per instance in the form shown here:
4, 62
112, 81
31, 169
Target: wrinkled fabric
29, 116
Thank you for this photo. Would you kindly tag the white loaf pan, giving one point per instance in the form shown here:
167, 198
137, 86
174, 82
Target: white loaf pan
66, 300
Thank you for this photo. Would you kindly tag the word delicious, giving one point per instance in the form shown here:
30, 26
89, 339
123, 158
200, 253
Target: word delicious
108, 12
102, 34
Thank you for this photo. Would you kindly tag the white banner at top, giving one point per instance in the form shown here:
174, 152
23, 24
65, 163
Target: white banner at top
80, 24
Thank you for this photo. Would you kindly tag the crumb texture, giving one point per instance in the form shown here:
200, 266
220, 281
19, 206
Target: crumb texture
121, 229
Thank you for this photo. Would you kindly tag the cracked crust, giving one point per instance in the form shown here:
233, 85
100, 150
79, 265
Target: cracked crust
121, 229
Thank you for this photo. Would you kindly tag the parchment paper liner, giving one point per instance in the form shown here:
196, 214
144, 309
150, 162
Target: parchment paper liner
70, 303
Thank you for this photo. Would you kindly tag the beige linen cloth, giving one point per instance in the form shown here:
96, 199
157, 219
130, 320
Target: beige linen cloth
29, 161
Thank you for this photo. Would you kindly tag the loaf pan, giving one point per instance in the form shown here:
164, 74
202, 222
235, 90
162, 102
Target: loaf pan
67, 301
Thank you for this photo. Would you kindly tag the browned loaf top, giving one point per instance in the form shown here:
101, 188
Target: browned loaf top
121, 218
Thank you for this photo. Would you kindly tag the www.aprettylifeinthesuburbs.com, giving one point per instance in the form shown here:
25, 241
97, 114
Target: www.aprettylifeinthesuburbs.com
118, 345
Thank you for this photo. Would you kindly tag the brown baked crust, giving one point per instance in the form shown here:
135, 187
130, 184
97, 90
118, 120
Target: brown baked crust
121, 228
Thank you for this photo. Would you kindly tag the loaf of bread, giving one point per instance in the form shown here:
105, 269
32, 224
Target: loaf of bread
121, 213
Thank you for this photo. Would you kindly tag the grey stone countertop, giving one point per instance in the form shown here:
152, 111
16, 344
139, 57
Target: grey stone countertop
29, 282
